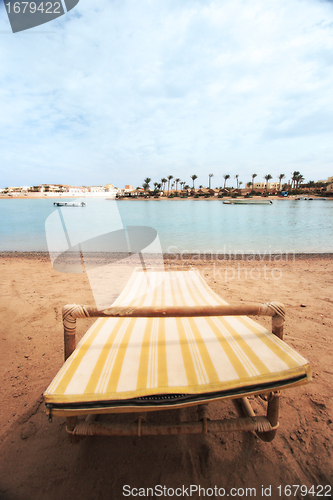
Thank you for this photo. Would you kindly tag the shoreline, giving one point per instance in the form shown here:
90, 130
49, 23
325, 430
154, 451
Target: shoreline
162, 198
202, 257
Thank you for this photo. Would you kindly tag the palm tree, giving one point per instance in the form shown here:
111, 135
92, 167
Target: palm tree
193, 177
249, 184
280, 177
163, 180
253, 177
177, 180
299, 179
236, 177
210, 176
295, 176
226, 177
169, 179
147, 181
267, 177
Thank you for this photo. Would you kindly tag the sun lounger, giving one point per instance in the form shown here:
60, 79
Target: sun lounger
169, 341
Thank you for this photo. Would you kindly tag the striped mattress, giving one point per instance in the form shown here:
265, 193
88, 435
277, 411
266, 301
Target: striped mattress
126, 364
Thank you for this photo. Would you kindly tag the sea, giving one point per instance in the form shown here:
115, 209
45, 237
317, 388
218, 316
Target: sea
185, 226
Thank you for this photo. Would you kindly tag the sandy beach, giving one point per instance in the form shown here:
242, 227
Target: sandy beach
38, 462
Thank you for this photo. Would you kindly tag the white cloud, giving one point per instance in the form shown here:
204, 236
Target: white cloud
122, 90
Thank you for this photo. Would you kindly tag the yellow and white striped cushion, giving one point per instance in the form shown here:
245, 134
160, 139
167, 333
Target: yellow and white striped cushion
124, 358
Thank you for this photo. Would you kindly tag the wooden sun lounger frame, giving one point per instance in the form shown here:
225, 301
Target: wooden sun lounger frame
265, 427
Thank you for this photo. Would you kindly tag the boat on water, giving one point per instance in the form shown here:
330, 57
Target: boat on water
248, 202
69, 204
306, 198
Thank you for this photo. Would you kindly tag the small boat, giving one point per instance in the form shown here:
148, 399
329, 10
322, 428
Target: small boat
69, 204
248, 202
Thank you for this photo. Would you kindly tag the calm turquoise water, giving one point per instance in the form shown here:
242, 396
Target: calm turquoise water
196, 226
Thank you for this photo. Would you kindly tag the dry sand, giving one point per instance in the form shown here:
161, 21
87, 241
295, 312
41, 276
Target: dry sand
38, 462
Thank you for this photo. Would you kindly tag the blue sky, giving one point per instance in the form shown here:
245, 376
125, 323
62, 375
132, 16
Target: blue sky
116, 91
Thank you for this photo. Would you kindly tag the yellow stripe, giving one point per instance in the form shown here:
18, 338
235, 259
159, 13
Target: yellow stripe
63, 384
198, 350
187, 358
204, 354
276, 349
162, 357
142, 285
193, 293
118, 363
139, 302
156, 292
195, 353
261, 367
161, 292
100, 363
172, 289
154, 355
143, 365
206, 287
211, 292
236, 363
178, 291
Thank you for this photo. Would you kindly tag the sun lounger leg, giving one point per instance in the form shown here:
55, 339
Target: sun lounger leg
70, 426
203, 416
139, 418
272, 414
273, 417
277, 326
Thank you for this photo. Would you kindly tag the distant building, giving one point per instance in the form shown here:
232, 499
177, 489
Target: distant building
18, 189
51, 188
111, 190
329, 186
47, 188
77, 190
96, 189
270, 185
